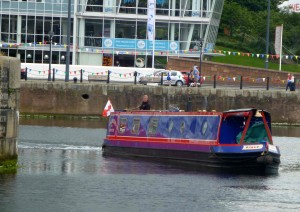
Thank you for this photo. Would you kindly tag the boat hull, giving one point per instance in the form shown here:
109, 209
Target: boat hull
252, 163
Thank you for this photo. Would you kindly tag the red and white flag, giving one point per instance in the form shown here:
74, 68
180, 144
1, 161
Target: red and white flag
108, 109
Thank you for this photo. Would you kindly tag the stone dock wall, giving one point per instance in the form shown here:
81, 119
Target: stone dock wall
9, 107
89, 99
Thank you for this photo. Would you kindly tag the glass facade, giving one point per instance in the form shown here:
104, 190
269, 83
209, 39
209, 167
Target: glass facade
106, 30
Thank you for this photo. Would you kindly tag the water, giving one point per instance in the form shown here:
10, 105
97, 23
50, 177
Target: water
62, 169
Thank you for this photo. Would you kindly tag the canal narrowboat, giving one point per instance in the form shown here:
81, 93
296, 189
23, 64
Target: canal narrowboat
237, 140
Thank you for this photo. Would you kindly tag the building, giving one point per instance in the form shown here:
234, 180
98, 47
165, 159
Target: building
107, 32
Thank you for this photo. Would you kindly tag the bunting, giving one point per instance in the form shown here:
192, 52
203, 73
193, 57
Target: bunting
127, 75
161, 53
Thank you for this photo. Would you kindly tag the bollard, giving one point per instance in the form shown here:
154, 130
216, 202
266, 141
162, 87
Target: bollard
215, 81
268, 83
161, 79
241, 83
135, 75
81, 74
53, 74
189, 105
188, 80
26, 74
108, 76
295, 80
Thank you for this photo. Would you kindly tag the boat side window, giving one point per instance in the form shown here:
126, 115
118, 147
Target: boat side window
122, 125
182, 126
153, 124
136, 126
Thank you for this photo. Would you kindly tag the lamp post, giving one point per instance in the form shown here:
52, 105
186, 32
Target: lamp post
267, 37
68, 43
50, 53
200, 44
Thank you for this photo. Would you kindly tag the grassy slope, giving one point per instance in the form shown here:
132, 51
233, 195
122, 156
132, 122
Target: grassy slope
255, 62
248, 61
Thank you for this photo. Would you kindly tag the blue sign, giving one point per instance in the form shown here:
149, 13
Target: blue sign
123, 43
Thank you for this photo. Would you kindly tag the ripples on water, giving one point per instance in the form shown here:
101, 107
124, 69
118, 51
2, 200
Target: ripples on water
62, 169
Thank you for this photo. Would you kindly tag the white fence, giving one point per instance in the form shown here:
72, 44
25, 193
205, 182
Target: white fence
117, 74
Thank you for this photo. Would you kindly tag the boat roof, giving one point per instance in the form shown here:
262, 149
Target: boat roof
244, 111
254, 110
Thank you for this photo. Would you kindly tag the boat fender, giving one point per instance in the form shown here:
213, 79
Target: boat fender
266, 159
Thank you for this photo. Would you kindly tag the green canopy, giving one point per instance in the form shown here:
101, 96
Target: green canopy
256, 133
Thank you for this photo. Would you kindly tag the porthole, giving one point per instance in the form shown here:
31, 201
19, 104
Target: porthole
204, 127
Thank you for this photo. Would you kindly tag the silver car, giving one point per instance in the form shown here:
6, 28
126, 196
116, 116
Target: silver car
176, 77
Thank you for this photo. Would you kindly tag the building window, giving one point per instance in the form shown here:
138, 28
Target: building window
94, 6
136, 126
161, 31
93, 32
141, 30
162, 7
128, 6
125, 29
142, 7
153, 126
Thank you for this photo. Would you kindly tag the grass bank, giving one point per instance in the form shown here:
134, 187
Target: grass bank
255, 62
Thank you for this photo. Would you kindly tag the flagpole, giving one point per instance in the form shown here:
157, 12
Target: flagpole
280, 50
151, 26
153, 48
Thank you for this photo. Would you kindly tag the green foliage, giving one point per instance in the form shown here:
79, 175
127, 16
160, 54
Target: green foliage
8, 166
257, 5
243, 27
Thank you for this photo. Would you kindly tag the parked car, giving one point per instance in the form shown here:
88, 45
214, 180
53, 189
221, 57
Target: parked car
185, 75
176, 78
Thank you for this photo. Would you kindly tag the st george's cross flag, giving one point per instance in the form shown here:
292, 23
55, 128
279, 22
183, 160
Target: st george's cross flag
108, 109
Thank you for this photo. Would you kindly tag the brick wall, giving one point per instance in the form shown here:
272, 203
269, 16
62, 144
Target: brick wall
225, 71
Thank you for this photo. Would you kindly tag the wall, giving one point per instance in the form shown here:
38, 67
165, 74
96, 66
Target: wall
228, 70
9, 106
61, 98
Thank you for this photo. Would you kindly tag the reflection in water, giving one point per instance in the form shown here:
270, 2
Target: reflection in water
63, 169
71, 122
63, 161
282, 131
286, 131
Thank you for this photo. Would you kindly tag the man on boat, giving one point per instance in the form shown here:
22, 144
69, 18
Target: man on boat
145, 104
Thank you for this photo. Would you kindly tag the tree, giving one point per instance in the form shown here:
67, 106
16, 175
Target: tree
236, 18
257, 5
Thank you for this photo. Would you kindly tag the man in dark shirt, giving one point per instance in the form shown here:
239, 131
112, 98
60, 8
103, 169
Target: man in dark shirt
145, 104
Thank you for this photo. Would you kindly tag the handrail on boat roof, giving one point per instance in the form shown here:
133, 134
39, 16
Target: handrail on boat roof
168, 112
